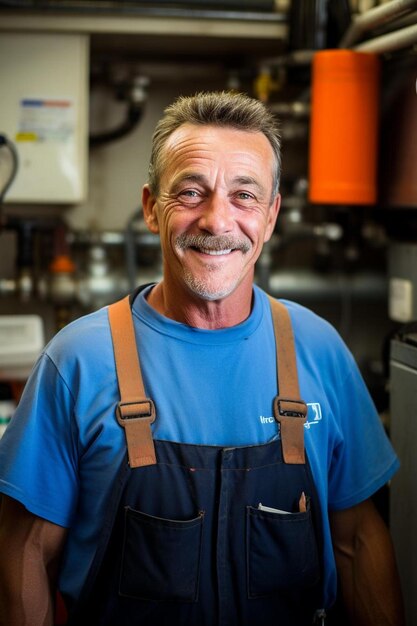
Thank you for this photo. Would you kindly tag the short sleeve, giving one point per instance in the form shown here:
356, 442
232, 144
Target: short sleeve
363, 460
38, 452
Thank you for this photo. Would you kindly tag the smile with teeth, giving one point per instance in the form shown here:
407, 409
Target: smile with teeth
213, 252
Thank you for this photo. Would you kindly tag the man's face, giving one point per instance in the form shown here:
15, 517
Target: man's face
214, 209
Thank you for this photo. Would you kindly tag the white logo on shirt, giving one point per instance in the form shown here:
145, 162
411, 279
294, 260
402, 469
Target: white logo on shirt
314, 415
266, 420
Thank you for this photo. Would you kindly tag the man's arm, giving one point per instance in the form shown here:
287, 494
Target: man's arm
366, 566
30, 548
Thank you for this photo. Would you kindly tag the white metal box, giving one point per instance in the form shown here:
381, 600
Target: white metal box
21, 341
402, 271
44, 111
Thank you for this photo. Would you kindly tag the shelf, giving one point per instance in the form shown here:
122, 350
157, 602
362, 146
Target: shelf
177, 33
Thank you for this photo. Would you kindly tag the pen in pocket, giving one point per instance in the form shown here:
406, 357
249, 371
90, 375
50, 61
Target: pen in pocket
302, 506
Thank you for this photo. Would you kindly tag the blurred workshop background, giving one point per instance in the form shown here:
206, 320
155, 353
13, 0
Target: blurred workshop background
82, 85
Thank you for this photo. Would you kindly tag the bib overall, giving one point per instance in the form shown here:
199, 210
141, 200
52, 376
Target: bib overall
200, 535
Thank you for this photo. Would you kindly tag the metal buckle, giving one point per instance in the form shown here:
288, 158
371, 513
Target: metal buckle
137, 410
288, 412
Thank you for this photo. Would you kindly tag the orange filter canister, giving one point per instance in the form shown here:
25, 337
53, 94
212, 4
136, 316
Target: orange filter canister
344, 127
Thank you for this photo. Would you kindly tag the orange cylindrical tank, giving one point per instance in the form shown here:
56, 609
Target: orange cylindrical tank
344, 127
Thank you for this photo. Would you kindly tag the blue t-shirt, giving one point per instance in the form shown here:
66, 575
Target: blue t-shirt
63, 448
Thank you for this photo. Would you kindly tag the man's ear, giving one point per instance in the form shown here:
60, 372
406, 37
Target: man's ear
272, 217
150, 210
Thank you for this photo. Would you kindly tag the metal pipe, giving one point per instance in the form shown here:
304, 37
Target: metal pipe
261, 10
306, 284
375, 17
391, 41
297, 109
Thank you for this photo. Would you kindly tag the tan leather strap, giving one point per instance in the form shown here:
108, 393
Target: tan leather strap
289, 410
135, 412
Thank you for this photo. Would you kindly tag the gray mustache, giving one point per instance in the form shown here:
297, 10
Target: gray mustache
213, 242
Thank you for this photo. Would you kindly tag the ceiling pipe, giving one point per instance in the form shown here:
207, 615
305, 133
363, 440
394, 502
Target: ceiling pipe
391, 41
375, 17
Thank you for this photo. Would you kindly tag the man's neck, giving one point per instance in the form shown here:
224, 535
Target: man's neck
196, 312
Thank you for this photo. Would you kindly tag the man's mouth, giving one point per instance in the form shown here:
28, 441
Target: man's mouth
213, 252
213, 245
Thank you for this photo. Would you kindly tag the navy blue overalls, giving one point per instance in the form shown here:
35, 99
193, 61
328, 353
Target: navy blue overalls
190, 538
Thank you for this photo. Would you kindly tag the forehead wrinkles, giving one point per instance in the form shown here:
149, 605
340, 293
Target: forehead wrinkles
185, 156
193, 158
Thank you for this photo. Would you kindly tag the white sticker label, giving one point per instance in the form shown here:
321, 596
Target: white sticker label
400, 300
43, 119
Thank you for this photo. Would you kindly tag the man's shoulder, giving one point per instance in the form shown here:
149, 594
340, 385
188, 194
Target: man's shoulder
305, 321
315, 335
86, 337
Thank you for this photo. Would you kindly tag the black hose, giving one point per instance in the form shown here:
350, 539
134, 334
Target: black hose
134, 115
5, 142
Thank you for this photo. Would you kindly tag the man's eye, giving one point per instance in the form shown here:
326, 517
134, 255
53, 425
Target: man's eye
189, 197
244, 195
189, 193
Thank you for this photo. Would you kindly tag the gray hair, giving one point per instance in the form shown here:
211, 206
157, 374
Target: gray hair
225, 109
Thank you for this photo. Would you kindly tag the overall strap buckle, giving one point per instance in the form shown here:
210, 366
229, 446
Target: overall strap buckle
135, 409
291, 416
289, 410
136, 417
135, 412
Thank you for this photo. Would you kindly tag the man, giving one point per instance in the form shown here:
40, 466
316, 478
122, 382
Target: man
219, 515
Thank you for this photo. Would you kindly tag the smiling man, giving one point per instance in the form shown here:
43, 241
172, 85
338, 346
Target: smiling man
214, 211
225, 476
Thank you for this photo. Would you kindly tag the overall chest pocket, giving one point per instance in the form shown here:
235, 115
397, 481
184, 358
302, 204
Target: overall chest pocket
281, 552
161, 557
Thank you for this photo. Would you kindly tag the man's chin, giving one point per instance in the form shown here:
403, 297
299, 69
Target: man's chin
209, 292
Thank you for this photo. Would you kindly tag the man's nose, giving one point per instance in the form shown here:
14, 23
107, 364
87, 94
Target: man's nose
216, 217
